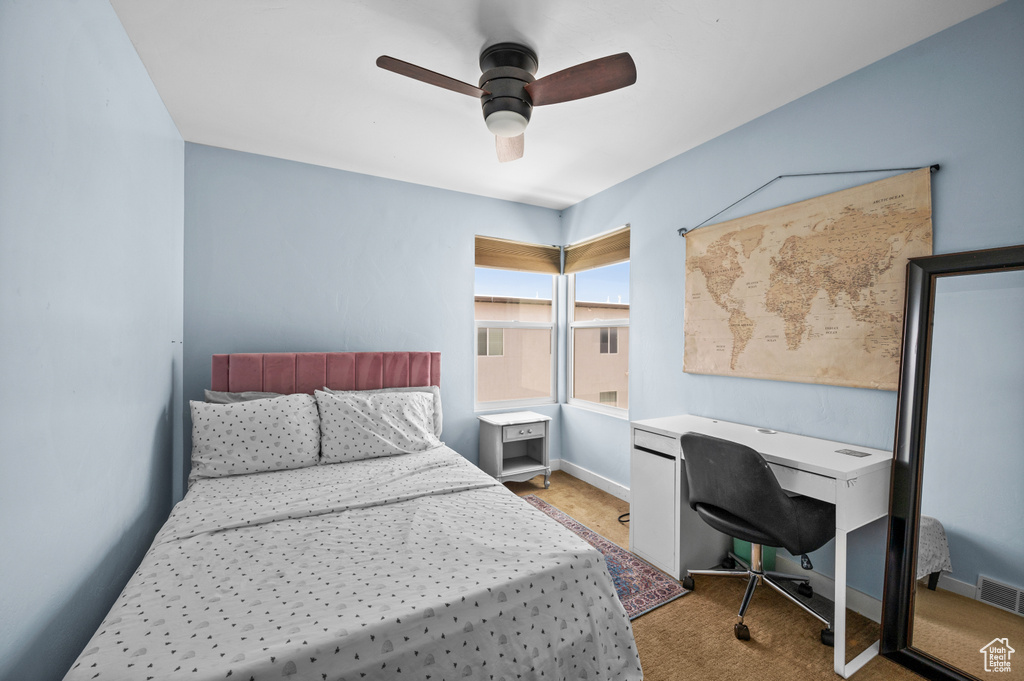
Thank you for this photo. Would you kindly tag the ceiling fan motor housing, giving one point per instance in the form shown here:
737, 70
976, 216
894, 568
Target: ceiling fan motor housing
507, 69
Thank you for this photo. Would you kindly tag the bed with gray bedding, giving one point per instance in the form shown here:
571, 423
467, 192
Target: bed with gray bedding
415, 565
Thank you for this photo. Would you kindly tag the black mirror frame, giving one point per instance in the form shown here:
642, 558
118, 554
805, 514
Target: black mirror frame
911, 416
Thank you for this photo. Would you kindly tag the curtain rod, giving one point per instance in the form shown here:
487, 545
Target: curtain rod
683, 231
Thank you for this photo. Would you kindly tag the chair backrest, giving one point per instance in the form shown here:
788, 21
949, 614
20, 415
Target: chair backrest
727, 476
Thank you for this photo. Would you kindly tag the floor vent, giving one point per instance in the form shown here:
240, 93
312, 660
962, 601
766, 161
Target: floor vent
1000, 595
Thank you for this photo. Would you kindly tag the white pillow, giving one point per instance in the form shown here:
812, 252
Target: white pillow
356, 426
255, 436
432, 389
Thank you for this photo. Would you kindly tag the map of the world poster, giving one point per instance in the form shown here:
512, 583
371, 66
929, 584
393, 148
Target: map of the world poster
810, 292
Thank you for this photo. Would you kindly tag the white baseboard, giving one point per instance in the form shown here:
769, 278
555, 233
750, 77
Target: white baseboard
599, 481
947, 583
858, 601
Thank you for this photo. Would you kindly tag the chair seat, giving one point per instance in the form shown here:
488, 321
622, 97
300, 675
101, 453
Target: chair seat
727, 523
816, 527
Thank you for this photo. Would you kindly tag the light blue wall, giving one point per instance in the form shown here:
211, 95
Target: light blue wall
974, 459
284, 256
91, 226
955, 99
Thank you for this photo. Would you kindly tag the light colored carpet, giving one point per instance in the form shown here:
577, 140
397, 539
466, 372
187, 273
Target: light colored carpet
955, 628
692, 637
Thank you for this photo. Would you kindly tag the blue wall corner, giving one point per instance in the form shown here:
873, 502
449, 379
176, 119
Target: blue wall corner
91, 294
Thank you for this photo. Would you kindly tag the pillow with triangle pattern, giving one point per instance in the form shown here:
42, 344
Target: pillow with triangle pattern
254, 436
364, 426
433, 390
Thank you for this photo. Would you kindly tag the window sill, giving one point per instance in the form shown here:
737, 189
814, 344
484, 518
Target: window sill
613, 412
510, 405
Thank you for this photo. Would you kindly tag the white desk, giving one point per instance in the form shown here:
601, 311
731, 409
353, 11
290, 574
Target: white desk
858, 486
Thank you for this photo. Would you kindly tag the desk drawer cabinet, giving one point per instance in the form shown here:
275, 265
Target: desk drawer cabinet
663, 530
653, 478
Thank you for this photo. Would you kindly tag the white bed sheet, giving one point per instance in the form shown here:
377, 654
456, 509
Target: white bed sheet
416, 566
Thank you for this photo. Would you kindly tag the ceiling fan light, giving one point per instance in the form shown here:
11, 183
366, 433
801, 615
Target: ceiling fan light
506, 123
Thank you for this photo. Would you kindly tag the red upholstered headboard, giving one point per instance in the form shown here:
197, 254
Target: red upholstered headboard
304, 372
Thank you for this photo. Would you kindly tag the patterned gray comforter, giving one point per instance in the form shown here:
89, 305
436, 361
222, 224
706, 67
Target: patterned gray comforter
409, 567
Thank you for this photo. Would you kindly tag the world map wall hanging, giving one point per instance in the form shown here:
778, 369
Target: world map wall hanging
811, 292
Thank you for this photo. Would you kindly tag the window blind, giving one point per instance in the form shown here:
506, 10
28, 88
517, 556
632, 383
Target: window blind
515, 255
604, 250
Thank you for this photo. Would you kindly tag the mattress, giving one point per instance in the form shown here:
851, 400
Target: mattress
416, 566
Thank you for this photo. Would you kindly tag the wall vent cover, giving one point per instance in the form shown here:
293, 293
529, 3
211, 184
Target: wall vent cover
1000, 595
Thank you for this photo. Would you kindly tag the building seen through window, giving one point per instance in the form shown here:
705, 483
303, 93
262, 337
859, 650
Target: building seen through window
490, 342
609, 340
515, 334
599, 328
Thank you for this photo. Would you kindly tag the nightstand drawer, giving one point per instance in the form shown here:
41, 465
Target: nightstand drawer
523, 431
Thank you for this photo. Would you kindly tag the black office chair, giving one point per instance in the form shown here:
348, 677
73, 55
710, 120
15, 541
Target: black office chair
734, 491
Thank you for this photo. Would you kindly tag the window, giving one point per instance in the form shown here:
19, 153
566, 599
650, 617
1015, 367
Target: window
515, 305
599, 322
514, 312
490, 342
609, 340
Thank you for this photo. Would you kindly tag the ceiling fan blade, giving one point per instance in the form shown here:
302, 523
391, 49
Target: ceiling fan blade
404, 68
509, 148
584, 80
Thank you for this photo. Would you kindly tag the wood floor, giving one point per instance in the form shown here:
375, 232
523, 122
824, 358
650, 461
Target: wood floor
692, 637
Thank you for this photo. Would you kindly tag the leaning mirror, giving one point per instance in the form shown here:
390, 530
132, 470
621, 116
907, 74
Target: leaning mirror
953, 604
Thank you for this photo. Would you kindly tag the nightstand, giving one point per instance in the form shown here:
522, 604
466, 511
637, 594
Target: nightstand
514, 446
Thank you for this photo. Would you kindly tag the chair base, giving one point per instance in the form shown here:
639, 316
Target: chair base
755, 575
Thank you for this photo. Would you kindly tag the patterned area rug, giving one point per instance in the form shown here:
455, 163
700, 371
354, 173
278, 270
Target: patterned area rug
641, 587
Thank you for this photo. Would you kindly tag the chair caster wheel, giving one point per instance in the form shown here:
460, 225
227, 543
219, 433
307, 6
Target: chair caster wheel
729, 563
804, 589
742, 631
828, 638
688, 583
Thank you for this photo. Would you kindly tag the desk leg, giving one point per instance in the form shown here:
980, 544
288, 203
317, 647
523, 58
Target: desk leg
839, 616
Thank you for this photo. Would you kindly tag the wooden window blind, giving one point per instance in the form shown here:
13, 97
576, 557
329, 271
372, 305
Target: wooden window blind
604, 250
515, 255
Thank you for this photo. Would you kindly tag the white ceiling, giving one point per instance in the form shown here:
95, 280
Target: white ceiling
296, 79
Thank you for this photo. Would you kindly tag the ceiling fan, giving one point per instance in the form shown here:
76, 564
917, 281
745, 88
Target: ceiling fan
508, 91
